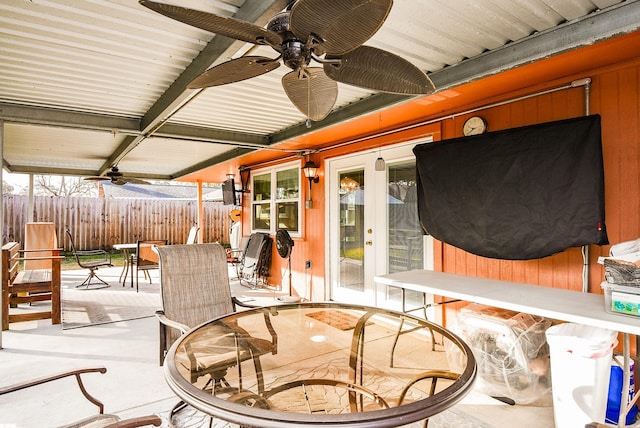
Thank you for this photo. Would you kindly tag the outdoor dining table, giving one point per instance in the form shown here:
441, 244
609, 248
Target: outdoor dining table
336, 364
127, 250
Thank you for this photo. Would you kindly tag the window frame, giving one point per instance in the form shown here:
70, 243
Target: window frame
273, 202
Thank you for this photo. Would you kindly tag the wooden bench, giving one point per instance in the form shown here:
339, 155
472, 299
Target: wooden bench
29, 286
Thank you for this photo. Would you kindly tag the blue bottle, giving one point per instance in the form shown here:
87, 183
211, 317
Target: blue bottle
615, 390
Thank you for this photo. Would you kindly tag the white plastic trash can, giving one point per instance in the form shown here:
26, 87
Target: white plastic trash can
580, 367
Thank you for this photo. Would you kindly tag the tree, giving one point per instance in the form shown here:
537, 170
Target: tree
47, 185
7, 188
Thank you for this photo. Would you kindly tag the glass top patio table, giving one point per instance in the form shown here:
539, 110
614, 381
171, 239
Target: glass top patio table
335, 364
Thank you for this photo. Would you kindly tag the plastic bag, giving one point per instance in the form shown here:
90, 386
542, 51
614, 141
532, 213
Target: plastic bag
510, 350
582, 340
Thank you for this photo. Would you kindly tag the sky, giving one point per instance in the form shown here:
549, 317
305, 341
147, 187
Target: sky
21, 180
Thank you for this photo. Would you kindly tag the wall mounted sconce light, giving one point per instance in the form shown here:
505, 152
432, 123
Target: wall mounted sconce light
310, 170
245, 173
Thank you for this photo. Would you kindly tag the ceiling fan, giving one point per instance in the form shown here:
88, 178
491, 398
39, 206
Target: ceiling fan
116, 177
328, 32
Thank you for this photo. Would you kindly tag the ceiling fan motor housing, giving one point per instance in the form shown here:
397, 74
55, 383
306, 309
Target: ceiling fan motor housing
295, 54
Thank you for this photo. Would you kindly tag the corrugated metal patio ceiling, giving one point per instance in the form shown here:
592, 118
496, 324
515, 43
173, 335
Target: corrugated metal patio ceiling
92, 83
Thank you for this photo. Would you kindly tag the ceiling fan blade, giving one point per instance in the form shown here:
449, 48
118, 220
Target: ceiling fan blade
341, 25
311, 91
132, 180
96, 178
235, 70
225, 26
377, 69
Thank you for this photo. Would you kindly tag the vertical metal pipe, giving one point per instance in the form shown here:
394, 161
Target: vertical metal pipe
200, 213
626, 382
30, 203
586, 82
1, 218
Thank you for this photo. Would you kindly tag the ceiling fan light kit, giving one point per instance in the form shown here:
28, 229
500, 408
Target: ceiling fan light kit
310, 30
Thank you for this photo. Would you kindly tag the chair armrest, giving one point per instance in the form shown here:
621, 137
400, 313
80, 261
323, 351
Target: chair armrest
54, 254
272, 332
91, 252
22, 259
76, 373
237, 302
84, 253
137, 422
170, 323
234, 256
267, 321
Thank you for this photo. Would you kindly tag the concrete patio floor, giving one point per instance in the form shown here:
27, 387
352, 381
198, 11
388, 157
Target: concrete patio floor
134, 384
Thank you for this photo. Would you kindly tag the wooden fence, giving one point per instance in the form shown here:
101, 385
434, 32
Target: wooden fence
99, 223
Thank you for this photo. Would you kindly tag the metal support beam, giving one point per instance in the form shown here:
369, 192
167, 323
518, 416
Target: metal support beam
257, 12
46, 116
598, 26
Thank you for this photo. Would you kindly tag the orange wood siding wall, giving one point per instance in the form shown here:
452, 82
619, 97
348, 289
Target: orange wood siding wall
614, 69
614, 94
561, 271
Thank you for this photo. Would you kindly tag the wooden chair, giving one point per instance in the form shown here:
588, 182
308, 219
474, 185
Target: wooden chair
92, 260
95, 421
146, 258
39, 235
195, 288
29, 286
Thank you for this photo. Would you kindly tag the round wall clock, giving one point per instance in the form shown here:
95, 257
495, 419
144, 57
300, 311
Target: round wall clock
474, 125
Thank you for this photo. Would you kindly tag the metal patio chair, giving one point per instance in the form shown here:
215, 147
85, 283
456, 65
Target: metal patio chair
146, 258
255, 263
195, 288
430, 376
95, 421
92, 260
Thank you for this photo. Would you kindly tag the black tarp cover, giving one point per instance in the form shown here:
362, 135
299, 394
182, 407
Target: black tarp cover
516, 194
